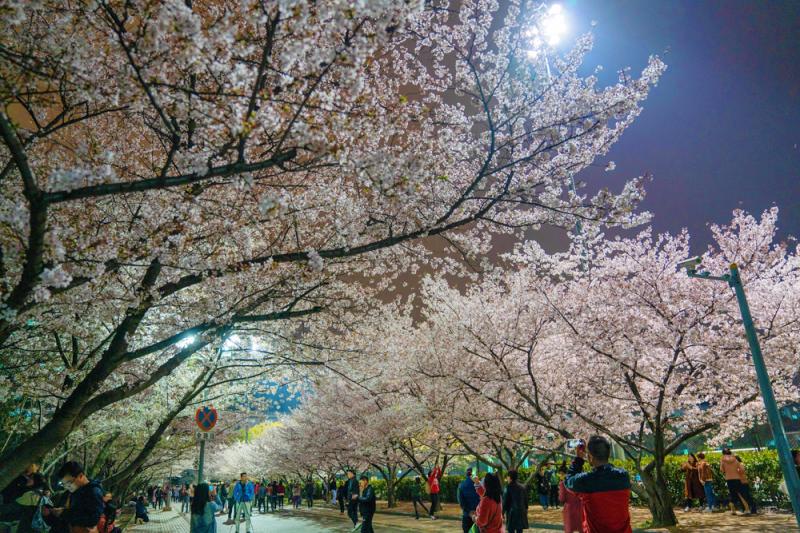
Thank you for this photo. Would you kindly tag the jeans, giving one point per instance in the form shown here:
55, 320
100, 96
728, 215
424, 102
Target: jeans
543, 501
185, 504
243, 508
310, 502
231, 505
553, 496
333, 496
466, 522
711, 498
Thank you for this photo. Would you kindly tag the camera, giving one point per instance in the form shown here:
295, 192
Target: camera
690, 264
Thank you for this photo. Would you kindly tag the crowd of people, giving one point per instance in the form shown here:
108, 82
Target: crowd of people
81, 506
592, 501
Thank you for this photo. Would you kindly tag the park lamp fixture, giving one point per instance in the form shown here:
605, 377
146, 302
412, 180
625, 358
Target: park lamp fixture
694, 269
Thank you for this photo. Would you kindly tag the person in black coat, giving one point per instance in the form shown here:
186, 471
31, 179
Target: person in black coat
515, 504
351, 490
86, 497
342, 496
366, 504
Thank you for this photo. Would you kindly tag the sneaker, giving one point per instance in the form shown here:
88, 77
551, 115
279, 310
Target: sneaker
357, 527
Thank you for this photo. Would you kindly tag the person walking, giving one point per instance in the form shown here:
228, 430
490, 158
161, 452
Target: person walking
231, 501
310, 493
416, 497
605, 491
332, 490
729, 467
85, 504
542, 481
572, 510
351, 491
281, 491
706, 477
692, 487
488, 516
263, 492
366, 504
342, 496
467, 499
243, 495
515, 504
205, 505
296, 492
223, 495
185, 499
744, 493
434, 476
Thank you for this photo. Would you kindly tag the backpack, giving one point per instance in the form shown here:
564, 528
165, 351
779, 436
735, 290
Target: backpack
38, 523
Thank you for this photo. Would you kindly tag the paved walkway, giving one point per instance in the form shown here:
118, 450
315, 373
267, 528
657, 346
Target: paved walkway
324, 518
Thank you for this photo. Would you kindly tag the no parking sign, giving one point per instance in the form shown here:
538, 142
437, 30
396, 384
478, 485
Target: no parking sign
206, 418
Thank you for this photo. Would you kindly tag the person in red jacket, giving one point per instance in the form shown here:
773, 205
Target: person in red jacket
489, 514
605, 491
433, 488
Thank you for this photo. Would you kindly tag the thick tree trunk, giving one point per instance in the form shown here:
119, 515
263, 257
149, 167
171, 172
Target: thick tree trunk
53, 433
391, 500
659, 500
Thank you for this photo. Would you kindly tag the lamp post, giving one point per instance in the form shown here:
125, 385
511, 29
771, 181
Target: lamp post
733, 280
548, 32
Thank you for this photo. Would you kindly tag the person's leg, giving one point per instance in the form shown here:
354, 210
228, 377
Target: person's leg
367, 526
543, 501
236, 513
733, 494
466, 522
747, 496
247, 516
434, 505
352, 510
711, 498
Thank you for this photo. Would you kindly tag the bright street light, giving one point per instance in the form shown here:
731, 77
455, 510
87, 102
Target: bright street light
548, 31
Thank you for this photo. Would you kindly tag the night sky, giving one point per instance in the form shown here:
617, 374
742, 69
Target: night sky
720, 131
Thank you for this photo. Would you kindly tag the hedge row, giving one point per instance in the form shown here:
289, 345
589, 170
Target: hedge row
762, 467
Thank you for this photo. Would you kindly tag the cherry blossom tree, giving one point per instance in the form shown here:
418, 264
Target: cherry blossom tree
174, 172
611, 338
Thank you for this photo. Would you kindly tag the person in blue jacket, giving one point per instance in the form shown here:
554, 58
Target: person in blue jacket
243, 495
468, 499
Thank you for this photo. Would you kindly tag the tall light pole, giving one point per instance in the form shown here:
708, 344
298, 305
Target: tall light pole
548, 33
733, 280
